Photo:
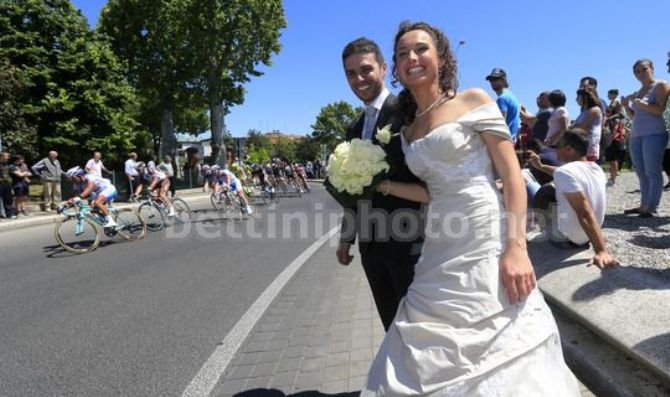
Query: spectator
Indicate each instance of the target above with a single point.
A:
(50, 172)
(539, 122)
(592, 82)
(615, 149)
(507, 102)
(134, 182)
(95, 166)
(317, 169)
(309, 169)
(648, 137)
(20, 183)
(579, 191)
(558, 121)
(166, 166)
(590, 119)
(6, 186)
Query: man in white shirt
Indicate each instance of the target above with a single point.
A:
(134, 182)
(580, 195)
(95, 166)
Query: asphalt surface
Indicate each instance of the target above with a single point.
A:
(140, 319)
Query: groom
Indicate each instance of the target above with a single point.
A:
(388, 255)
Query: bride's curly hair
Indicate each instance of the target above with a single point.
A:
(447, 74)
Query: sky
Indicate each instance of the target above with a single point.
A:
(541, 45)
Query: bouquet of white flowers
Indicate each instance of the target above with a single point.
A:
(355, 168)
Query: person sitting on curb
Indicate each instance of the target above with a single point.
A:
(580, 194)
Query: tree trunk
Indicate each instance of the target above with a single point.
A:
(168, 140)
(216, 125)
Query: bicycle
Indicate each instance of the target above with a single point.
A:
(294, 186)
(268, 195)
(157, 215)
(78, 231)
(228, 202)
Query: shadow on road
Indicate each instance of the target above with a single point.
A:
(278, 393)
(56, 251)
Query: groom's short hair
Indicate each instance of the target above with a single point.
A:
(363, 45)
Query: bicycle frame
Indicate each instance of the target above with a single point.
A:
(84, 211)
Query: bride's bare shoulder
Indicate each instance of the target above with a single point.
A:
(474, 97)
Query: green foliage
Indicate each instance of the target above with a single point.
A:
(308, 149)
(229, 39)
(332, 122)
(74, 91)
(285, 148)
(257, 154)
(258, 139)
(150, 37)
(17, 135)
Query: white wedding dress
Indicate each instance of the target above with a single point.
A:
(455, 332)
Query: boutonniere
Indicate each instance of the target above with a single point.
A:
(384, 134)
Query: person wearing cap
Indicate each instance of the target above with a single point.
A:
(507, 102)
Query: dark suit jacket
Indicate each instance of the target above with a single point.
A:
(370, 244)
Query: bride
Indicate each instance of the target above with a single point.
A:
(473, 322)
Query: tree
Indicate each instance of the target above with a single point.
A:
(17, 135)
(150, 36)
(74, 91)
(258, 139)
(257, 155)
(308, 149)
(332, 122)
(230, 39)
(284, 148)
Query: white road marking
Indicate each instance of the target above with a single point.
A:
(205, 380)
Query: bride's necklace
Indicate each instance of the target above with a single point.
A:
(439, 100)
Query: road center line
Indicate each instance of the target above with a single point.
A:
(205, 380)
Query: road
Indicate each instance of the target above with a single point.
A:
(140, 319)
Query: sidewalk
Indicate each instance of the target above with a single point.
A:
(318, 338)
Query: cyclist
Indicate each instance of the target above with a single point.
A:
(160, 182)
(290, 174)
(301, 176)
(208, 176)
(101, 191)
(230, 182)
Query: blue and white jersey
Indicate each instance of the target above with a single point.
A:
(100, 184)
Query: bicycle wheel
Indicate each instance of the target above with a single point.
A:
(296, 187)
(152, 216)
(282, 186)
(182, 212)
(266, 197)
(131, 226)
(218, 202)
(78, 236)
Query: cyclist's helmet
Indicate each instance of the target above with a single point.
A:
(216, 167)
(140, 164)
(162, 167)
(75, 171)
(151, 166)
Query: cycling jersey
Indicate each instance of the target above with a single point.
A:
(157, 175)
(226, 176)
(102, 186)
